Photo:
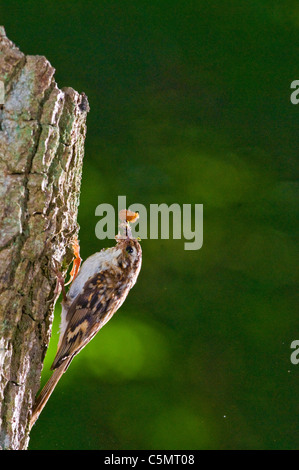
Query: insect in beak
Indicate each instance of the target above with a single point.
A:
(127, 217)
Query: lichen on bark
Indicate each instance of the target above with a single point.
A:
(42, 133)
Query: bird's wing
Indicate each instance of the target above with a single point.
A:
(88, 313)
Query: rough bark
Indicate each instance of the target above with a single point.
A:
(42, 132)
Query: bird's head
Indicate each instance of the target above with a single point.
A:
(130, 254)
(129, 249)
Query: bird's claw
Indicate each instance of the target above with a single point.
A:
(76, 261)
(60, 279)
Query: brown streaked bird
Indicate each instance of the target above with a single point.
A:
(96, 293)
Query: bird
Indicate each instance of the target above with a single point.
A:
(98, 289)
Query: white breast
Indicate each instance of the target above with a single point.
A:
(95, 263)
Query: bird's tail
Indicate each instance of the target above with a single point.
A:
(45, 394)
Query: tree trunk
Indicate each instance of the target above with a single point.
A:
(42, 132)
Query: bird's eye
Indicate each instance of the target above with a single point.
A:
(129, 249)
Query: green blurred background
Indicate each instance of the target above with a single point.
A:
(190, 103)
